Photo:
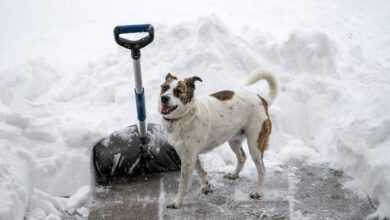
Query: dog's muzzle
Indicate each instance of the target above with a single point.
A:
(166, 109)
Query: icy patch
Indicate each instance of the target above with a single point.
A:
(161, 200)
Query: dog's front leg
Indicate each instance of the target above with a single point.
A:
(187, 166)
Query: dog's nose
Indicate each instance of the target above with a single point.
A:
(164, 99)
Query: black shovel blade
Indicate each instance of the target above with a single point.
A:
(124, 154)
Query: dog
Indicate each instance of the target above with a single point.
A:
(198, 125)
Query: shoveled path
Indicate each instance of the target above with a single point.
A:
(295, 191)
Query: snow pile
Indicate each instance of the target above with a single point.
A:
(305, 52)
(35, 154)
(45, 206)
(15, 184)
(363, 149)
(337, 115)
(19, 200)
(59, 94)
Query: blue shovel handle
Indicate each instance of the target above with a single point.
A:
(134, 44)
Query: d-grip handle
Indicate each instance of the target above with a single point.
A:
(134, 45)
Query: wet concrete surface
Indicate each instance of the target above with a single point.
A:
(291, 192)
(136, 200)
(320, 195)
(229, 199)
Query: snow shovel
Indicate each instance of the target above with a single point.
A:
(135, 150)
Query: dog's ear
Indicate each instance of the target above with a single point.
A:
(170, 77)
(191, 81)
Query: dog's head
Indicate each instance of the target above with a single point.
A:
(176, 95)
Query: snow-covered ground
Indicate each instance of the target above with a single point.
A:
(65, 83)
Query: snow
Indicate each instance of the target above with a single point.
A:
(15, 184)
(79, 199)
(65, 84)
(46, 206)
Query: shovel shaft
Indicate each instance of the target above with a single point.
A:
(139, 97)
(135, 47)
(137, 75)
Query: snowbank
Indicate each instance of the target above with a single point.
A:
(60, 94)
(19, 197)
(15, 184)
(46, 206)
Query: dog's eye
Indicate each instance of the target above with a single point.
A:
(164, 88)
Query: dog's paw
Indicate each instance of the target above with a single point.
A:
(174, 205)
(206, 189)
(231, 176)
(256, 195)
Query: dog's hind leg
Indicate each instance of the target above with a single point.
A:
(257, 142)
(204, 183)
(236, 145)
(257, 158)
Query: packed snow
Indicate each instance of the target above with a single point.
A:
(65, 84)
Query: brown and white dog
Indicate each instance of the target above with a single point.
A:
(198, 125)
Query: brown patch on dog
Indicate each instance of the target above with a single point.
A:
(266, 128)
(182, 92)
(185, 89)
(264, 135)
(223, 95)
(169, 77)
(265, 104)
(166, 85)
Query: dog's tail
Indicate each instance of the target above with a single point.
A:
(272, 83)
